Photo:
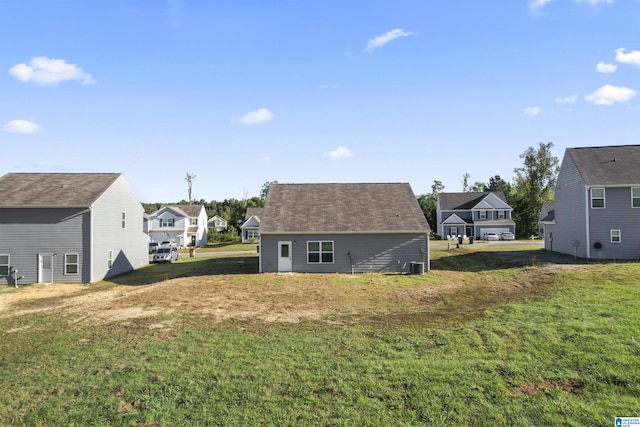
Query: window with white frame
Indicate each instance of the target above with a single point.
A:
(124, 220)
(501, 214)
(482, 214)
(616, 236)
(4, 265)
(597, 198)
(635, 197)
(71, 264)
(252, 234)
(167, 222)
(109, 259)
(193, 221)
(320, 252)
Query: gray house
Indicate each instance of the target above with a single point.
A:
(597, 204)
(343, 228)
(547, 216)
(251, 225)
(69, 227)
(473, 214)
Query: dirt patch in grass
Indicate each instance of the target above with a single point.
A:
(288, 298)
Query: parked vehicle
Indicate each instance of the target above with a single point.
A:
(491, 236)
(171, 243)
(507, 235)
(166, 254)
(153, 247)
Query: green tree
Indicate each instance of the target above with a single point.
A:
(429, 203)
(265, 189)
(534, 183)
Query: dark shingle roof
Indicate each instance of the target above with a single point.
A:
(253, 212)
(188, 210)
(613, 165)
(341, 208)
(548, 212)
(37, 190)
(455, 201)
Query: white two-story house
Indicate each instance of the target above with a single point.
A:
(184, 224)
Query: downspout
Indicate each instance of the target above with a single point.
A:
(587, 221)
(428, 253)
(89, 248)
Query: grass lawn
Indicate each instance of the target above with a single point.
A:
(492, 336)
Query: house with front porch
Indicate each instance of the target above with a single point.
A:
(473, 214)
(186, 225)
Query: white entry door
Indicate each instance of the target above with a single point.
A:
(45, 268)
(284, 257)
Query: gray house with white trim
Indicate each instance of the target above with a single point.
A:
(250, 228)
(597, 204)
(69, 227)
(346, 228)
(473, 214)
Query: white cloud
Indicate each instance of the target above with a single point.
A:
(385, 38)
(609, 95)
(632, 57)
(602, 67)
(21, 126)
(531, 111)
(538, 4)
(593, 2)
(567, 99)
(261, 115)
(47, 71)
(340, 153)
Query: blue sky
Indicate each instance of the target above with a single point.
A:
(243, 92)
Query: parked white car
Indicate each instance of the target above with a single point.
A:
(166, 254)
(491, 236)
(507, 235)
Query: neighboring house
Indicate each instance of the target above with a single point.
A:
(344, 228)
(547, 216)
(473, 214)
(217, 223)
(597, 203)
(184, 224)
(69, 227)
(251, 224)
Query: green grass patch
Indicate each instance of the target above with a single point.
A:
(494, 342)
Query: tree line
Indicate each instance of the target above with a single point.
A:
(531, 187)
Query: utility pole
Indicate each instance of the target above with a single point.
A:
(189, 180)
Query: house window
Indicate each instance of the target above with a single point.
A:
(320, 252)
(482, 214)
(252, 234)
(597, 198)
(109, 259)
(501, 214)
(616, 236)
(167, 222)
(124, 220)
(4, 265)
(70, 263)
(635, 197)
(193, 221)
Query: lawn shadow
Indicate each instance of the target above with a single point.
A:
(477, 261)
(155, 273)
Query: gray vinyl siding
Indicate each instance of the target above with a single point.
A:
(129, 245)
(25, 233)
(570, 218)
(619, 215)
(370, 252)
